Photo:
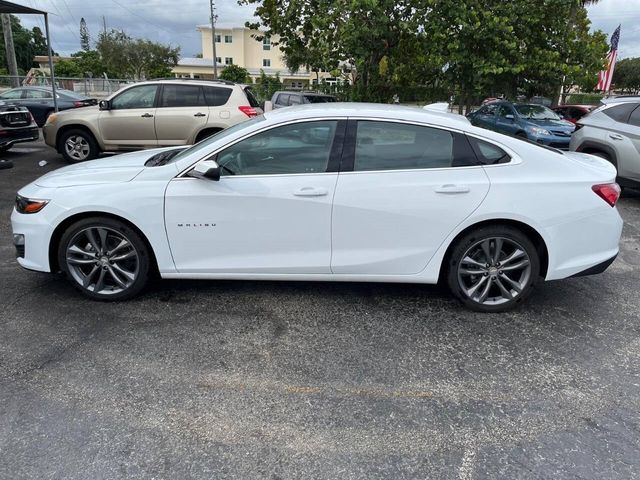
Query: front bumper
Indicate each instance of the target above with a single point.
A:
(11, 136)
(555, 141)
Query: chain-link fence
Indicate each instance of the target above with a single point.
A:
(91, 87)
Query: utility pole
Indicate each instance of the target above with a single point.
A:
(9, 48)
(104, 25)
(214, 17)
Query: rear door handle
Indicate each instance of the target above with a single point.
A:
(200, 114)
(615, 136)
(311, 192)
(450, 188)
(147, 115)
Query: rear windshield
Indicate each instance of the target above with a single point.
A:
(253, 101)
(320, 98)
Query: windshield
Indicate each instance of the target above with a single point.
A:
(204, 144)
(536, 112)
(320, 98)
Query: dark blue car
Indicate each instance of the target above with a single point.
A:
(534, 122)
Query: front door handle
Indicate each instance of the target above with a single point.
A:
(200, 114)
(451, 188)
(147, 115)
(615, 136)
(311, 192)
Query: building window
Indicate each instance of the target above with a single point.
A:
(266, 43)
(219, 60)
(217, 38)
(228, 39)
(228, 61)
(266, 62)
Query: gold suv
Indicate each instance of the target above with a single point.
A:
(150, 114)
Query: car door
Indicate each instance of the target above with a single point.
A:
(130, 121)
(405, 188)
(182, 112)
(39, 102)
(506, 120)
(629, 160)
(270, 212)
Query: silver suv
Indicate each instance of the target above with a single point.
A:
(612, 131)
(155, 113)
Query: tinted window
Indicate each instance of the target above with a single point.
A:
(182, 96)
(216, 96)
(319, 98)
(621, 113)
(12, 94)
(634, 119)
(283, 99)
(296, 148)
(295, 100)
(135, 97)
(394, 146)
(487, 153)
(38, 94)
(253, 101)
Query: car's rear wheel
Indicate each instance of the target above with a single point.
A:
(493, 269)
(78, 146)
(104, 258)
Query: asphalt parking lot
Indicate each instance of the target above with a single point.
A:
(253, 380)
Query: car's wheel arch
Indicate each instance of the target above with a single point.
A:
(532, 233)
(206, 131)
(590, 146)
(58, 232)
(76, 126)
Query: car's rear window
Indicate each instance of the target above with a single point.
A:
(320, 98)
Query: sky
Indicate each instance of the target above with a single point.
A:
(174, 22)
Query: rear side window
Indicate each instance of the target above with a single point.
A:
(216, 96)
(399, 146)
(283, 99)
(620, 113)
(295, 100)
(634, 119)
(488, 153)
(182, 96)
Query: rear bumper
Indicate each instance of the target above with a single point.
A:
(11, 136)
(596, 269)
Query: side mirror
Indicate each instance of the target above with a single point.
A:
(207, 169)
(105, 105)
(509, 116)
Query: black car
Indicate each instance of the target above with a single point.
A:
(286, 99)
(39, 100)
(16, 125)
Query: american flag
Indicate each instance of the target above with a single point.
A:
(605, 76)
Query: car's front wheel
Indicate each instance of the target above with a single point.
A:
(104, 258)
(493, 269)
(78, 146)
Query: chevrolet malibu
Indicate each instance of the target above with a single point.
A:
(332, 192)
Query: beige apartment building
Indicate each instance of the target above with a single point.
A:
(237, 46)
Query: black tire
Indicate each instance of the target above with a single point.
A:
(79, 135)
(104, 260)
(510, 237)
(5, 148)
(206, 134)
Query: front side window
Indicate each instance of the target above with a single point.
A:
(488, 110)
(228, 39)
(182, 96)
(503, 111)
(537, 112)
(290, 149)
(135, 97)
(400, 146)
(38, 94)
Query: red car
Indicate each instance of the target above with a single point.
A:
(573, 113)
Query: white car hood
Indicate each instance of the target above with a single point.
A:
(116, 169)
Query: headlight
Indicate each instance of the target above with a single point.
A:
(538, 131)
(52, 118)
(29, 205)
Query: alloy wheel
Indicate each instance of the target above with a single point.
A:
(102, 260)
(494, 271)
(77, 147)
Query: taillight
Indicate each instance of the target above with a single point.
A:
(248, 110)
(609, 192)
(78, 103)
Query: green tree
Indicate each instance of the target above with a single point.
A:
(626, 75)
(235, 73)
(267, 85)
(84, 36)
(27, 44)
(127, 57)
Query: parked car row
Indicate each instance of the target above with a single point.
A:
(611, 131)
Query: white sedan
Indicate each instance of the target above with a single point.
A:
(331, 192)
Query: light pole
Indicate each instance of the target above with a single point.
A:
(214, 17)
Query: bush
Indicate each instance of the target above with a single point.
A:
(234, 73)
